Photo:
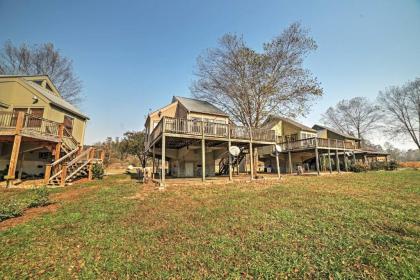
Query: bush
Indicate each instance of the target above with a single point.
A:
(357, 167)
(10, 210)
(378, 165)
(98, 171)
(39, 197)
(392, 165)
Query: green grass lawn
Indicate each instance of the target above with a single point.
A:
(348, 226)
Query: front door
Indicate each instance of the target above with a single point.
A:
(189, 169)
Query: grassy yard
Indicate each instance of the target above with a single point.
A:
(347, 226)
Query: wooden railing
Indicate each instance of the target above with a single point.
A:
(30, 124)
(320, 143)
(41, 126)
(210, 129)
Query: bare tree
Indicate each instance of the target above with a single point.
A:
(357, 116)
(42, 60)
(249, 85)
(401, 107)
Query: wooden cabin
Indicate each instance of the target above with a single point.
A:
(40, 132)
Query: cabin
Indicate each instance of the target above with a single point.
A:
(40, 132)
(192, 138)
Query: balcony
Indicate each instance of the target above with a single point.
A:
(12, 123)
(194, 128)
(311, 143)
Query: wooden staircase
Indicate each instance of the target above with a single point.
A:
(74, 162)
(224, 162)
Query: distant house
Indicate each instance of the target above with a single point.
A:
(38, 128)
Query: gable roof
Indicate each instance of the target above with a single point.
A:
(199, 106)
(321, 127)
(58, 101)
(274, 119)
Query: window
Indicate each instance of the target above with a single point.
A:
(68, 124)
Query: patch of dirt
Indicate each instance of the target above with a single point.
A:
(29, 214)
(144, 192)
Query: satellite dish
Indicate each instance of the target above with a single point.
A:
(278, 148)
(234, 151)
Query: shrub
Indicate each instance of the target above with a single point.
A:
(10, 210)
(98, 171)
(39, 197)
(357, 167)
(378, 165)
(392, 165)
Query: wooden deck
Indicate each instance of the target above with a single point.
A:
(321, 143)
(193, 129)
(28, 126)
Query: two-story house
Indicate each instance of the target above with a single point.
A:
(38, 128)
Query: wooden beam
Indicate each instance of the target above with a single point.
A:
(230, 156)
(60, 142)
(16, 147)
(63, 175)
(345, 161)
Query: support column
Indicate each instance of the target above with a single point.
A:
(251, 160)
(16, 147)
(290, 163)
(203, 153)
(277, 163)
(60, 141)
(345, 161)
(354, 158)
(154, 162)
(203, 159)
(329, 160)
(162, 173)
(316, 156)
(230, 156)
(337, 158)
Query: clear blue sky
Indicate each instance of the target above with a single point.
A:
(135, 55)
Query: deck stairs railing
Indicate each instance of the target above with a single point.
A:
(224, 162)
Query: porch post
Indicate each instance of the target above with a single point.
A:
(251, 160)
(277, 162)
(203, 153)
(337, 158)
(354, 157)
(154, 159)
(60, 141)
(345, 161)
(329, 159)
(230, 156)
(16, 147)
(162, 173)
(366, 159)
(316, 156)
(290, 163)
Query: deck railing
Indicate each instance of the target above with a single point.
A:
(210, 129)
(320, 143)
(30, 124)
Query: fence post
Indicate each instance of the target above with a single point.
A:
(90, 165)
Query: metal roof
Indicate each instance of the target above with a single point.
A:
(199, 106)
(319, 127)
(273, 119)
(56, 100)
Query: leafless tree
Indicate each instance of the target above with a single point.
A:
(42, 60)
(357, 116)
(401, 108)
(249, 85)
